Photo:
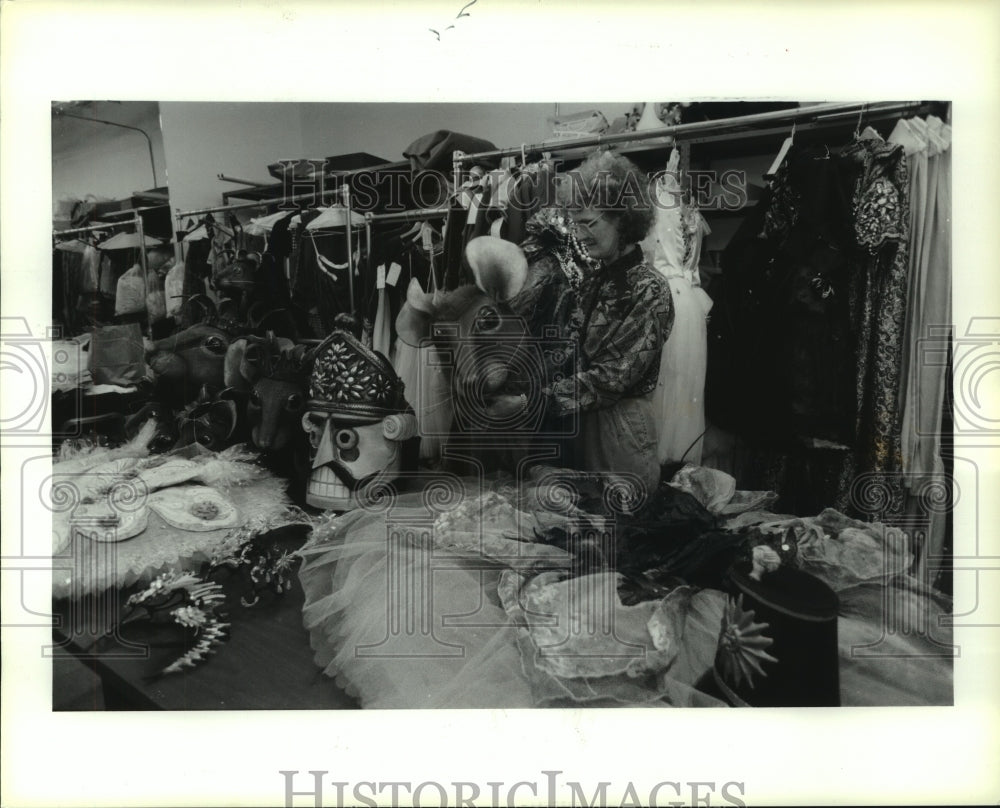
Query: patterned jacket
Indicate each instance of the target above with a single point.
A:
(614, 319)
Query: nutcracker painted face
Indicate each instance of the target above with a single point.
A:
(361, 430)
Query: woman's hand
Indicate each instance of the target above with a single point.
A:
(504, 407)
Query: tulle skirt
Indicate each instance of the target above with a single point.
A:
(401, 619)
(406, 614)
(679, 400)
(397, 627)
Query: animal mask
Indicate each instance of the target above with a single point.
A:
(191, 359)
(476, 332)
(274, 376)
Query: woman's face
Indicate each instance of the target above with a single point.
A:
(598, 232)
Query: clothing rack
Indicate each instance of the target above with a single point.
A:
(417, 215)
(136, 222)
(130, 211)
(706, 131)
(260, 203)
(345, 193)
(91, 228)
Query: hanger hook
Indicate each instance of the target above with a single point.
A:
(861, 115)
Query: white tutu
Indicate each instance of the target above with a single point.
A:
(408, 611)
(680, 390)
(444, 601)
(674, 249)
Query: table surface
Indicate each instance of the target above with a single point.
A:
(265, 664)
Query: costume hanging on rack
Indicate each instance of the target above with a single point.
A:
(427, 385)
(387, 276)
(173, 288)
(807, 327)
(923, 383)
(196, 270)
(391, 245)
(67, 272)
(928, 151)
(322, 280)
(315, 289)
(271, 283)
(465, 203)
(880, 206)
(533, 188)
(678, 232)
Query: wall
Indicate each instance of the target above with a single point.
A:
(106, 161)
(203, 140)
(386, 129)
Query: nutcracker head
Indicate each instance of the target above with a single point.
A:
(361, 430)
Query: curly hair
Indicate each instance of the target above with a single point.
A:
(612, 183)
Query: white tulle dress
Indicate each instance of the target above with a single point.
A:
(675, 248)
(441, 599)
(437, 601)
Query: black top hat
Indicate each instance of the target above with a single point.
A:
(778, 641)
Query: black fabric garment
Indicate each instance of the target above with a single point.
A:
(270, 284)
(196, 270)
(325, 289)
(67, 287)
(673, 539)
(453, 271)
(535, 189)
(805, 334)
(524, 203)
(271, 291)
(303, 280)
(780, 363)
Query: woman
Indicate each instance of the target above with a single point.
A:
(589, 278)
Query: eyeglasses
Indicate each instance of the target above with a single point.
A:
(588, 224)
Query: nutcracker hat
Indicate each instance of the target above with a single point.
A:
(354, 383)
(777, 642)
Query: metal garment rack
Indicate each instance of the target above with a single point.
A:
(315, 196)
(117, 213)
(90, 229)
(136, 222)
(416, 215)
(343, 191)
(705, 131)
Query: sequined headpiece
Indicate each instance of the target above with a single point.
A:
(350, 381)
